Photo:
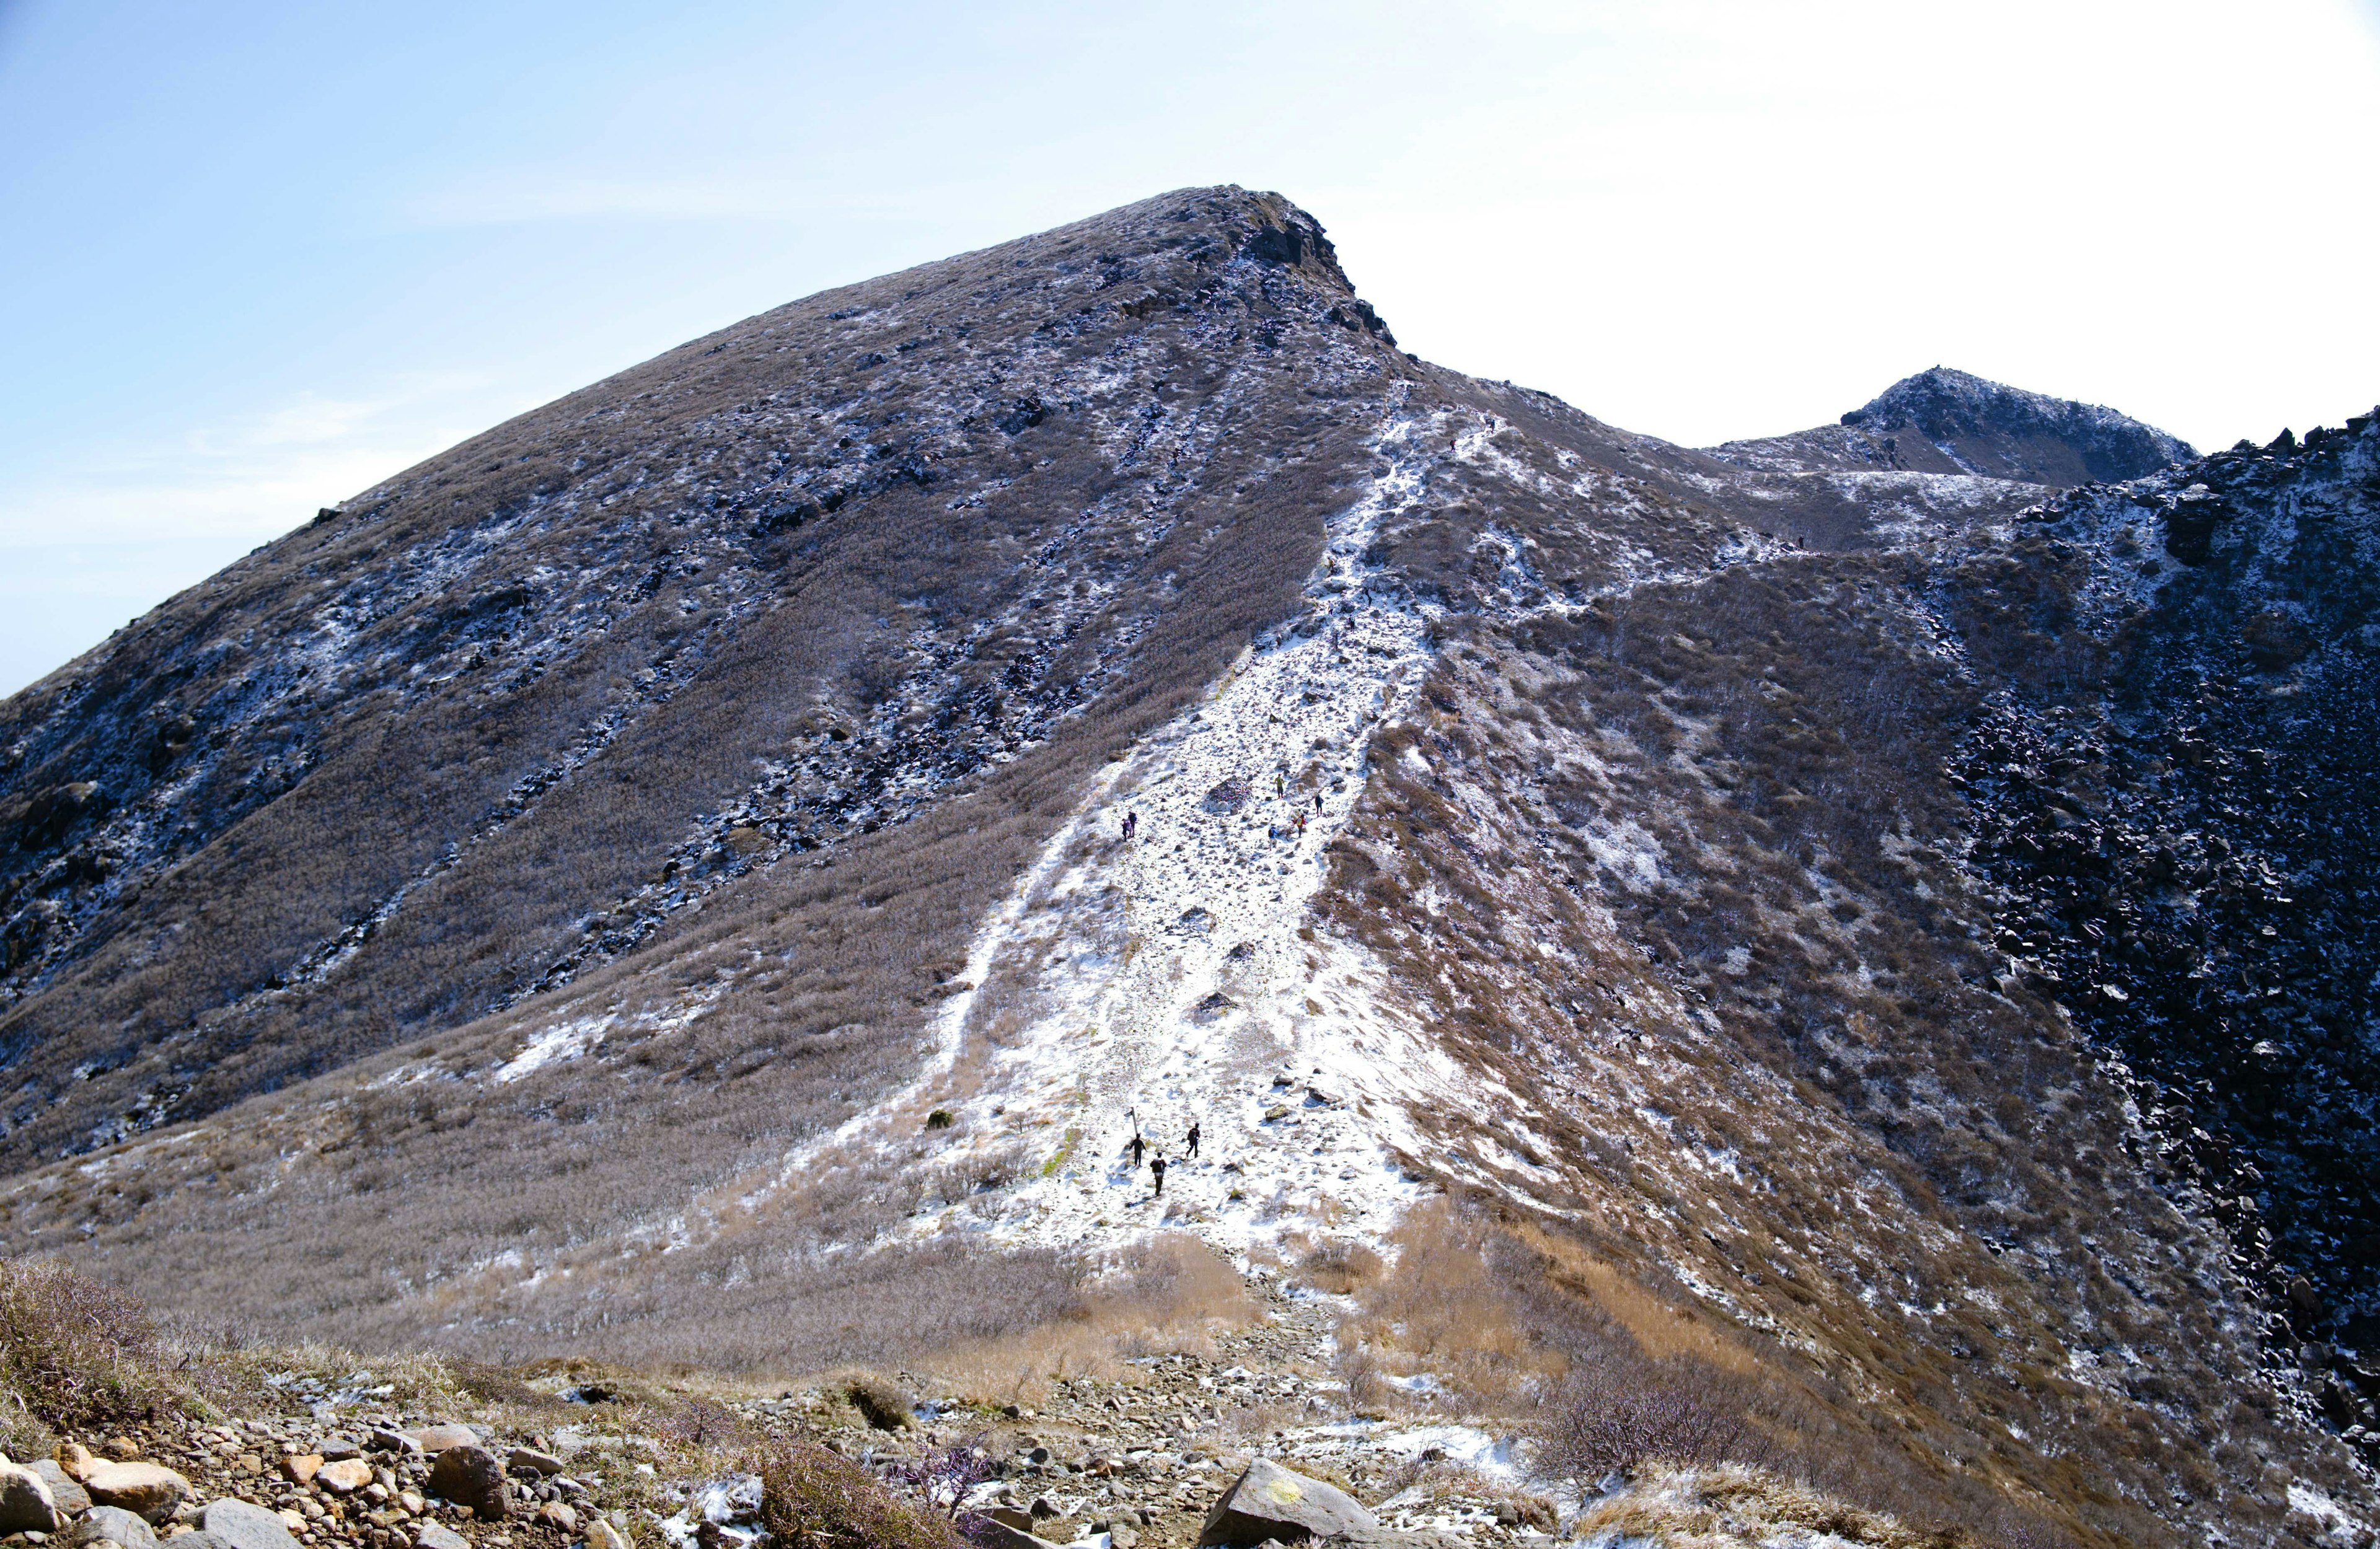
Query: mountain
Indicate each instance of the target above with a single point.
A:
(1856, 923)
(1948, 422)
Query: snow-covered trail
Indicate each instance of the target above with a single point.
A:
(1162, 981)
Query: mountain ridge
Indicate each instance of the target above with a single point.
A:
(653, 878)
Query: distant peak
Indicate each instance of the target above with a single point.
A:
(1951, 407)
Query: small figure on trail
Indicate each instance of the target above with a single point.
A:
(1194, 1139)
(1131, 821)
(1317, 801)
(1279, 783)
(1301, 825)
(1157, 1166)
(1137, 1146)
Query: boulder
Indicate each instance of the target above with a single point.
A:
(438, 1438)
(603, 1535)
(198, 1538)
(437, 1535)
(344, 1476)
(243, 1526)
(1269, 1501)
(471, 1476)
(333, 1448)
(989, 1534)
(529, 1459)
(302, 1467)
(72, 1499)
(555, 1514)
(111, 1524)
(151, 1490)
(384, 1439)
(75, 1459)
(26, 1504)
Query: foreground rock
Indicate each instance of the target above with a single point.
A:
(243, 1525)
(150, 1490)
(110, 1524)
(1269, 1502)
(26, 1505)
(471, 1476)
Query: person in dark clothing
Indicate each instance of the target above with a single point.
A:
(1157, 1166)
(1317, 801)
(1131, 821)
(1194, 1140)
(1137, 1146)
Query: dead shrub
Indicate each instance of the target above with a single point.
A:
(74, 1354)
(811, 1498)
(879, 1402)
(1615, 1415)
(1338, 1267)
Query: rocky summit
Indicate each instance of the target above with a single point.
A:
(1069, 861)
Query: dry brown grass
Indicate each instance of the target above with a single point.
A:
(1167, 1294)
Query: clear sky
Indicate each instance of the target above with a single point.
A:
(256, 257)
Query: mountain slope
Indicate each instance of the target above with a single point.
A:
(652, 882)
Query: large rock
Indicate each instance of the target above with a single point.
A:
(198, 1538)
(437, 1535)
(438, 1438)
(603, 1535)
(109, 1524)
(471, 1476)
(72, 1499)
(1269, 1501)
(243, 1526)
(151, 1490)
(26, 1504)
(529, 1459)
(344, 1476)
(990, 1533)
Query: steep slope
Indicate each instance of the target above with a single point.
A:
(1600, 831)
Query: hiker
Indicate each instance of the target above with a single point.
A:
(1317, 801)
(1194, 1139)
(1157, 1166)
(1137, 1146)
(1131, 821)
(1279, 783)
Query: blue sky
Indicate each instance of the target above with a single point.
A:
(258, 257)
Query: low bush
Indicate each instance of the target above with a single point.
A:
(74, 1354)
(811, 1498)
(880, 1403)
(1614, 1416)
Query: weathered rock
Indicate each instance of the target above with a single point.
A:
(555, 1514)
(532, 1461)
(1269, 1501)
(991, 1534)
(384, 1439)
(436, 1535)
(345, 1475)
(438, 1438)
(198, 1538)
(244, 1526)
(124, 1449)
(301, 1468)
(603, 1535)
(471, 1476)
(72, 1499)
(335, 1448)
(111, 1523)
(1012, 1517)
(151, 1490)
(1389, 1538)
(26, 1504)
(75, 1459)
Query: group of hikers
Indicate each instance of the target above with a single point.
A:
(1139, 1147)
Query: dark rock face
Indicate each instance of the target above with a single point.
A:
(2176, 791)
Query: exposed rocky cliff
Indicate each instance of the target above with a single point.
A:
(654, 879)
